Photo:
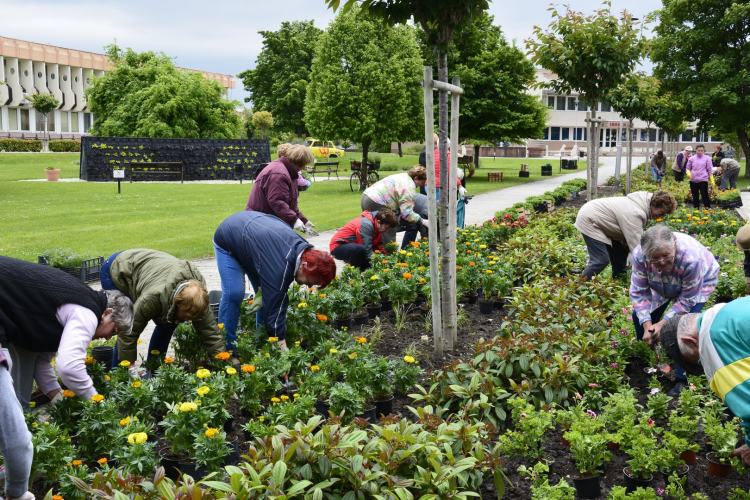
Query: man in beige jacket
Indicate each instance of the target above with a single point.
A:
(612, 227)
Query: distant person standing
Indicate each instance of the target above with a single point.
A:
(717, 156)
(701, 170)
(276, 192)
(729, 170)
(657, 166)
(680, 163)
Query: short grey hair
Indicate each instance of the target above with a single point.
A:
(122, 310)
(684, 328)
(656, 238)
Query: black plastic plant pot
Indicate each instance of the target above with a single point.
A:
(386, 305)
(384, 407)
(473, 297)
(632, 483)
(362, 319)
(103, 354)
(373, 310)
(342, 323)
(682, 471)
(171, 465)
(587, 486)
(369, 414)
(322, 408)
(486, 306)
(234, 456)
(228, 423)
(192, 469)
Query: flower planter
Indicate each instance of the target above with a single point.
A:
(472, 298)
(383, 407)
(171, 464)
(88, 270)
(369, 414)
(729, 204)
(682, 471)
(228, 423)
(587, 486)
(361, 319)
(724, 299)
(322, 407)
(341, 323)
(386, 305)
(234, 456)
(421, 299)
(613, 446)
(373, 310)
(486, 306)
(632, 483)
(717, 468)
(103, 354)
(247, 435)
(192, 469)
(565, 442)
(689, 457)
(498, 303)
(53, 174)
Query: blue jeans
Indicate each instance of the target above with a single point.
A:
(655, 317)
(232, 294)
(104, 276)
(656, 174)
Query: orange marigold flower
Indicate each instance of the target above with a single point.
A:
(415, 244)
(57, 497)
(89, 360)
(102, 461)
(322, 317)
(223, 356)
(402, 264)
(168, 360)
(422, 280)
(361, 340)
(472, 264)
(248, 368)
(77, 463)
(459, 267)
(385, 262)
(407, 275)
(68, 393)
(250, 302)
(353, 355)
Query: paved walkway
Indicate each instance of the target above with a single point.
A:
(482, 207)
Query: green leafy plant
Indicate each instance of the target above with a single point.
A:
(210, 447)
(526, 440)
(135, 454)
(667, 457)
(541, 489)
(183, 422)
(406, 374)
(658, 403)
(344, 400)
(63, 257)
(588, 442)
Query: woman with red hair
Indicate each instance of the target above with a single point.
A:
(272, 255)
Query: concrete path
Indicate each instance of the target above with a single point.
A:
(482, 207)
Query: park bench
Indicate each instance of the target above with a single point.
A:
(324, 167)
(157, 168)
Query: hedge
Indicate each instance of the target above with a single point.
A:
(23, 146)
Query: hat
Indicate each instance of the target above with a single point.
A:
(668, 340)
(688, 148)
(743, 238)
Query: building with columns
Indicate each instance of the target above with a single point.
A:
(29, 68)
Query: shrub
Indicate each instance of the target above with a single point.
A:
(31, 146)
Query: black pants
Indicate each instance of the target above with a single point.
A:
(601, 254)
(353, 254)
(678, 176)
(702, 188)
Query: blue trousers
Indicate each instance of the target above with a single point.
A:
(15, 438)
(655, 318)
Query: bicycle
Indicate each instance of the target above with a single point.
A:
(371, 178)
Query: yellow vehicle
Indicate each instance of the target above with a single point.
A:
(324, 149)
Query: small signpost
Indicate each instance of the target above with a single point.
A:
(118, 174)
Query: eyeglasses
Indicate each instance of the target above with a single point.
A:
(663, 260)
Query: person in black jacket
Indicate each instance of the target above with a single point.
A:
(272, 255)
(43, 311)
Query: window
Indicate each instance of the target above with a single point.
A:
(555, 134)
(545, 134)
(52, 76)
(12, 118)
(687, 136)
(39, 74)
(703, 137)
(606, 108)
(551, 101)
(86, 122)
(652, 135)
(65, 78)
(565, 134)
(582, 106)
(25, 125)
(560, 103)
(74, 122)
(64, 121)
(571, 103)
(581, 134)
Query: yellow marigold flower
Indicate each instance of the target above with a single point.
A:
(168, 361)
(68, 393)
(402, 264)
(140, 341)
(137, 438)
(102, 461)
(275, 400)
(211, 432)
(203, 373)
(32, 404)
(285, 398)
(422, 280)
(420, 268)
(353, 355)
(202, 391)
(322, 317)
(322, 295)
(273, 339)
(97, 398)
(231, 371)
(221, 326)
(403, 252)
(89, 360)
(409, 359)
(374, 277)
(223, 356)
(407, 275)
(489, 271)
(295, 395)
(385, 271)
(155, 352)
(267, 355)
(409, 254)
(361, 340)
(124, 363)
(302, 305)
(333, 351)
(189, 406)
(315, 368)
(125, 421)
(77, 463)
(248, 368)
(261, 419)
(482, 246)
(106, 377)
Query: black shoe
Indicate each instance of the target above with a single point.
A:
(677, 389)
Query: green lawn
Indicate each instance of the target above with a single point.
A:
(90, 217)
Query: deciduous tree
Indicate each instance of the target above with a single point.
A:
(44, 104)
(279, 81)
(263, 122)
(146, 95)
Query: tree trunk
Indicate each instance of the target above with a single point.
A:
(45, 139)
(593, 155)
(476, 159)
(363, 167)
(448, 315)
(648, 144)
(400, 152)
(628, 184)
(745, 144)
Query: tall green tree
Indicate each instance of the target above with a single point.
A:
(146, 95)
(363, 84)
(44, 104)
(263, 121)
(702, 55)
(590, 55)
(278, 83)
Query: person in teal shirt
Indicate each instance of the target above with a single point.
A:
(717, 343)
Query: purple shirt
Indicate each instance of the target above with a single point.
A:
(691, 280)
(701, 168)
(276, 192)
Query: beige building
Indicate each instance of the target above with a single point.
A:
(28, 68)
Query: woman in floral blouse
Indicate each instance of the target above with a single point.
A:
(669, 268)
(397, 193)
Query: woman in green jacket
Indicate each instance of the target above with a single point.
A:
(166, 290)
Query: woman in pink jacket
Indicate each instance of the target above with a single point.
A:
(701, 170)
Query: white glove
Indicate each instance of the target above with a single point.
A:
(58, 397)
(309, 225)
(629, 261)
(299, 225)
(461, 190)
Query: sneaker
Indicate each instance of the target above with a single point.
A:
(677, 389)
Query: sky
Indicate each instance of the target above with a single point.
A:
(220, 36)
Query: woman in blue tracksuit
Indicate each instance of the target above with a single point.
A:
(272, 255)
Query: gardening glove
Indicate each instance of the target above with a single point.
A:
(461, 190)
(58, 397)
(299, 226)
(744, 453)
(257, 302)
(309, 225)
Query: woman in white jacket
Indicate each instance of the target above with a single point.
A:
(612, 227)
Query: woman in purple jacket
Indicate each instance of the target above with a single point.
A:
(701, 168)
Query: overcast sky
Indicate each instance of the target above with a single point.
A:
(219, 36)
